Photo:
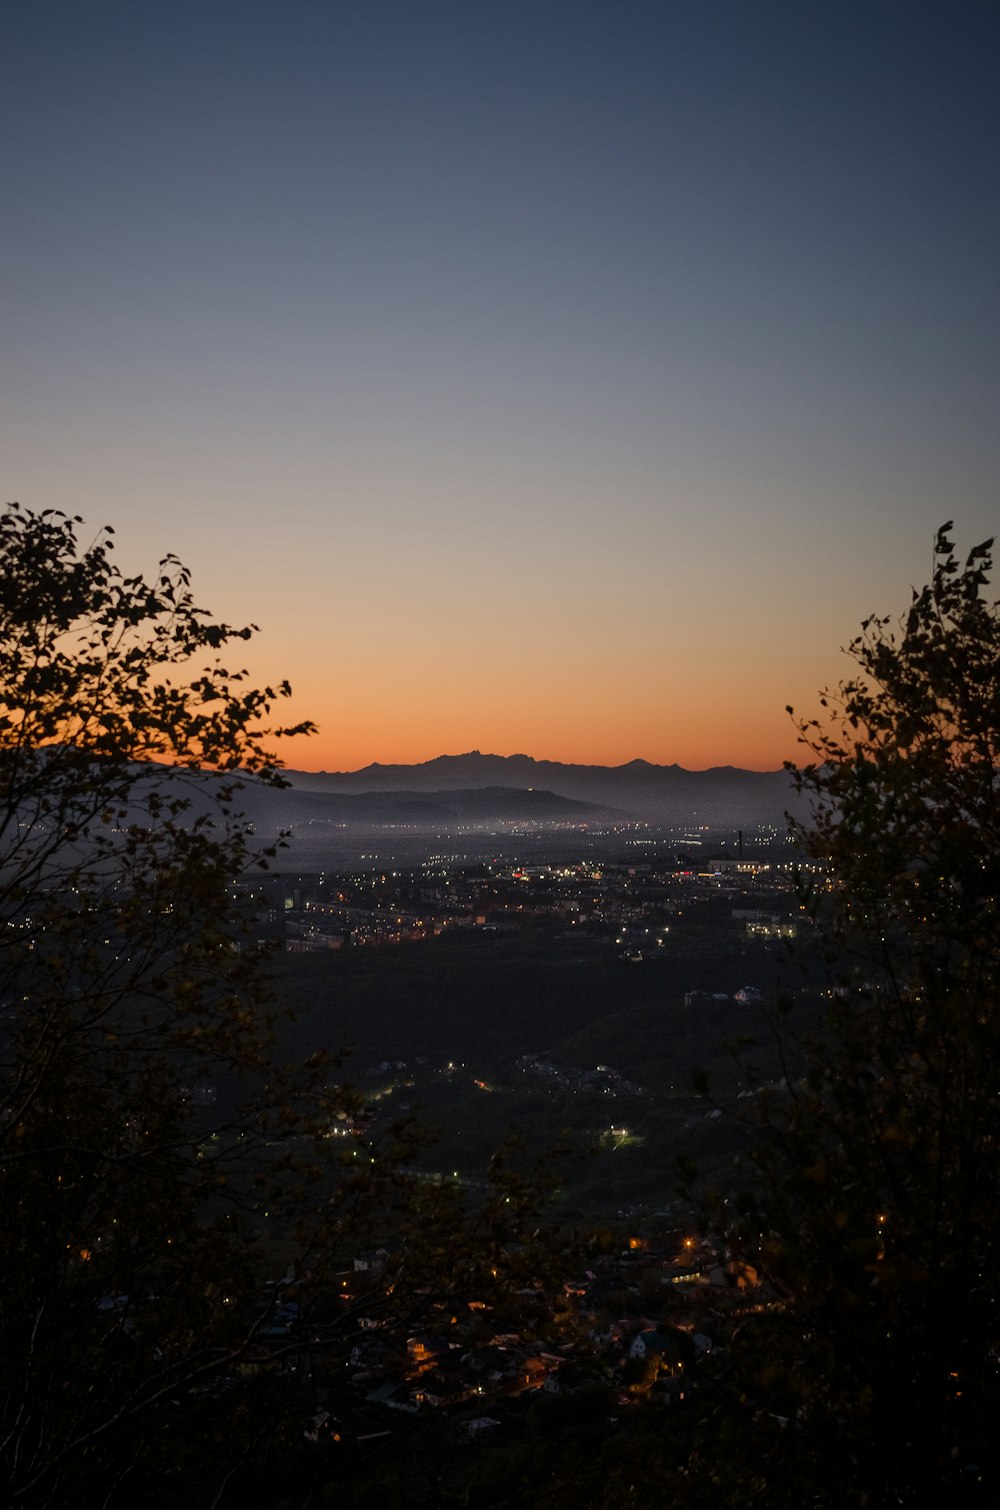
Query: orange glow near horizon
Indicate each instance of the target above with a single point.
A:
(399, 654)
(370, 735)
(392, 719)
(394, 686)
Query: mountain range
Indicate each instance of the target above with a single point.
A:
(722, 795)
(456, 791)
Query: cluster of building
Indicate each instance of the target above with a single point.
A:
(637, 1324)
(629, 906)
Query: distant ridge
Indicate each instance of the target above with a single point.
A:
(272, 809)
(417, 806)
(666, 793)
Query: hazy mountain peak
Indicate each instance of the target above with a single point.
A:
(723, 795)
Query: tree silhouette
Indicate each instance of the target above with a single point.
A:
(158, 1163)
(131, 1002)
(875, 1381)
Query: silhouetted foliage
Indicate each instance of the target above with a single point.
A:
(156, 1164)
(136, 1092)
(879, 1204)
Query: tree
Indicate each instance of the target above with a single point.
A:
(879, 1182)
(129, 1001)
(158, 1162)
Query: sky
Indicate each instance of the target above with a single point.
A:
(556, 377)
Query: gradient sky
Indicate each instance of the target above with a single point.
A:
(567, 378)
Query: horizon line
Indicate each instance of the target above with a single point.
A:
(536, 760)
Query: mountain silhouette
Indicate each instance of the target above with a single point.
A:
(724, 795)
